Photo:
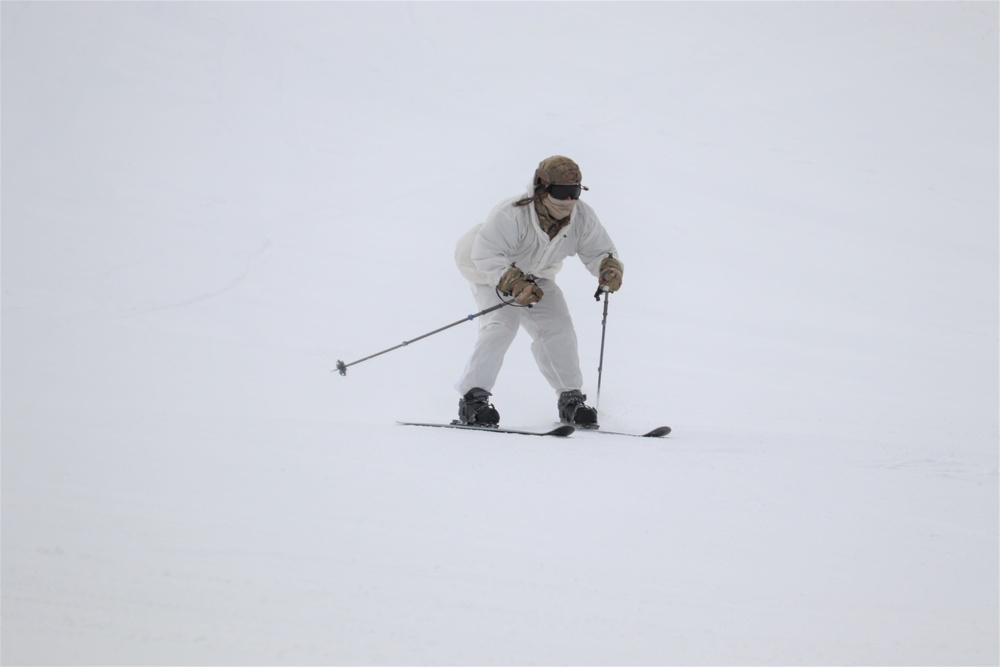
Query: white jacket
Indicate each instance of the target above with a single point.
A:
(511, 235)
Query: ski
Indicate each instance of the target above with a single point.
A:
(657, 432)
(561, 431)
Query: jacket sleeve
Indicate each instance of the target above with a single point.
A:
(495, 244)
(595, 244)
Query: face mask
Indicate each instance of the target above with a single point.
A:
(558, 208)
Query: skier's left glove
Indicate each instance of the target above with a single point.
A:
(611, 274)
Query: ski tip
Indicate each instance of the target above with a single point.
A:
(563, 431)
(658, 432)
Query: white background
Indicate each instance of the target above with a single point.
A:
(206, 205)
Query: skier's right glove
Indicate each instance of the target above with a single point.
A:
(522, 288)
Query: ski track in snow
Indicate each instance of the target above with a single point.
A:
(196, 290)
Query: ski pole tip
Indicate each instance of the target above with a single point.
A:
(341, 367)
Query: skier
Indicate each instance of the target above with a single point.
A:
(517, 252)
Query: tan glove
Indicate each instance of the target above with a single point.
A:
(611, 274)
(514, 283)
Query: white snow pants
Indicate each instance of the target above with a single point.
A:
(551, 329)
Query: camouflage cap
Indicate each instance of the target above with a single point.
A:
(557, 170)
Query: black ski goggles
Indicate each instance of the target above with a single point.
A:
(563, 192)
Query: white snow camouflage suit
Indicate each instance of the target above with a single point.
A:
(511, 235)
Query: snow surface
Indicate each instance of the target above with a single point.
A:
(205, 205)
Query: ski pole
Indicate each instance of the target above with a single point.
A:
(604, 328)
(342, 367)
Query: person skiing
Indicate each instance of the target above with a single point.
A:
(517, 253)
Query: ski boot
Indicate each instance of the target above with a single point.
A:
(474, 409)
(573, 411)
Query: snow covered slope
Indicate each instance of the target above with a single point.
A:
(205, 205)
